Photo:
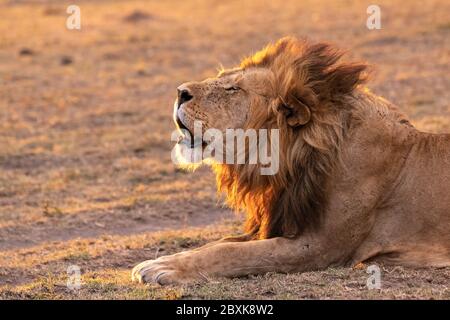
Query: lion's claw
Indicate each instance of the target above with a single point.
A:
(162, 271)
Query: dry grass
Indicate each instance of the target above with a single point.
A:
(41, 273)
(85, 123)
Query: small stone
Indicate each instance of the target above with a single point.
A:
(26, 52)
(137, 16)
(66, 60)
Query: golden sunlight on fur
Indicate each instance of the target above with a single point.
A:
(304, 75)
(357, 181)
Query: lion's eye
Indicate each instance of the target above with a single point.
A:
(232, 88)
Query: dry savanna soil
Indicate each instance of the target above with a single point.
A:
(86, 177)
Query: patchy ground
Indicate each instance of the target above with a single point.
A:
(85, 121)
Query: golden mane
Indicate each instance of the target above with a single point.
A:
(291, 201)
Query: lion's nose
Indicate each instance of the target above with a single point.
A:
(184, 95)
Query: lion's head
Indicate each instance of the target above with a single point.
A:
(298, 88)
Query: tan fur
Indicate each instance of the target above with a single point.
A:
(356, 182)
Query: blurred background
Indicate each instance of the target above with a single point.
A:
(85, 121)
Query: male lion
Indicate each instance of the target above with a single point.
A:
(356, 180)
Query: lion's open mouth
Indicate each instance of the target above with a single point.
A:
(187, 137)
(181, 127)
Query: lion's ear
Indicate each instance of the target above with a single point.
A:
(296, 112)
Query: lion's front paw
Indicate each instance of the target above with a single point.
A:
(165, 270)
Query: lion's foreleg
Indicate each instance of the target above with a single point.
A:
(233, 259)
